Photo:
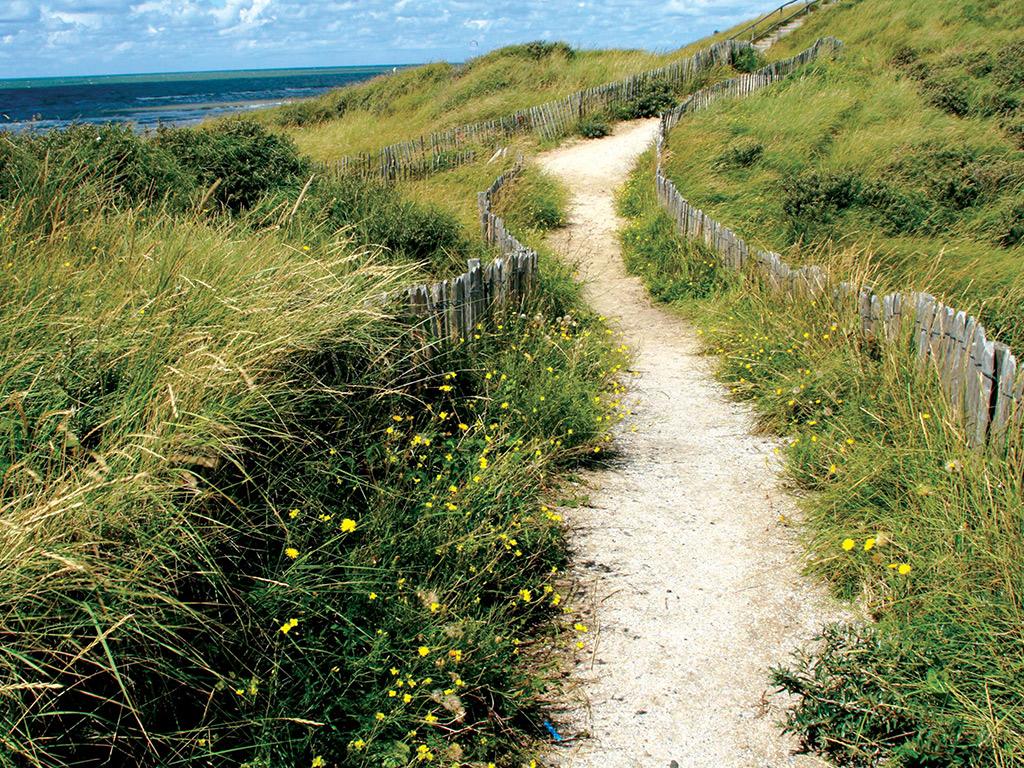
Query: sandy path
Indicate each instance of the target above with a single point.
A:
(695, 581)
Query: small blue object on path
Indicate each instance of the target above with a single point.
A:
(551, 729)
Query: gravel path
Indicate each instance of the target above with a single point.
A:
(694, 578)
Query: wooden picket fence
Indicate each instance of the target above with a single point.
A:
(979, 376)
(447, 149)
(448, 311)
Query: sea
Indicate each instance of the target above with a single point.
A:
(147, 101)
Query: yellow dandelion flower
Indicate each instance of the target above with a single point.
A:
(526, 595)
(423, 650)
(869, 544)
(289, 625)
(348, 525)
(292, 552)
(849, 544)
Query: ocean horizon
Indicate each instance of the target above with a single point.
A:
(149, 100)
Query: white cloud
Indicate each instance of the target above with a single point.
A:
(483, 24)
(67, 18)
(249, 18)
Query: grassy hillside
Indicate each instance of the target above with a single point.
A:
(909, 147)
(861, 166)
(246, 521)
(430, 98)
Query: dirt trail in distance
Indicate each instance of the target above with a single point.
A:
(695, 580)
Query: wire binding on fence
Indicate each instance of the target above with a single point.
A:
(980, 377)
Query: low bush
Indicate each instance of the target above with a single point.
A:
(593, 127)
(654, 97)
(1010, 232)
(536, 50)
(747, 59)
(812, 198)
(949, 93)
(376, 212)
(742, 153)
(243, 159)
(109, 162)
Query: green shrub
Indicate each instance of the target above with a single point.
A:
(747, 59)
(109, 161)
(243, 158)
(742, 153)
(593, 127)
(1015, 130)
(1008, 67)
(377, 213)
(813, 196)
(949, 93)
(1011, 229)
(535, 50)
(857, 719)
(654, 97)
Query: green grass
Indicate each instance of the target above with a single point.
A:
(936, 677)
(869, 151)
(241, 504)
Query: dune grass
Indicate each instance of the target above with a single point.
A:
(907, 147)
(247, 519)
(434, 97)
(899, 515)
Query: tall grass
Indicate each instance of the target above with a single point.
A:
(247, 518)
(899, 514)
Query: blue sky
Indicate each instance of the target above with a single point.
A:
(75, 37)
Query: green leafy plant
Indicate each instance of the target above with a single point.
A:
(593, 127)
